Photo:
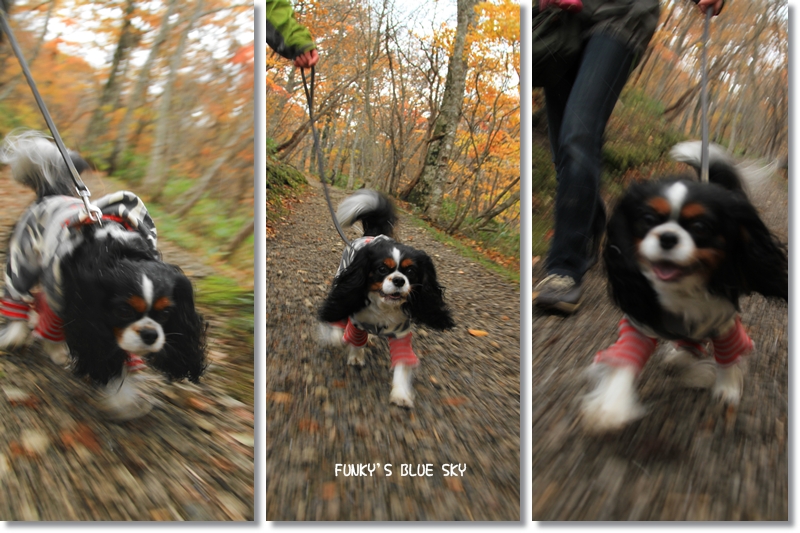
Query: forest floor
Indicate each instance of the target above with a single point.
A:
(190, 458)
(690, 457)
(322, 413)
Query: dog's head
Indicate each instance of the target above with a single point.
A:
(389, 275)
(120, 302)
(678, 235)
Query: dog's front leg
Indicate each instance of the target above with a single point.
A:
(356, 355)
(613, 403)
(57, 351)
(122, 400)
(402, 391)
(14, 334)
(728, 350)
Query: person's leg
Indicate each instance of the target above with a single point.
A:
(603, 71)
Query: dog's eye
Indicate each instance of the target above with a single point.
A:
(650, 219)
(162, 315)
(125, 312)
(383, 270)
(700, 228)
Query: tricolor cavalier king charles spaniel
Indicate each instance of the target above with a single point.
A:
(679, 254)
(381, 287)
(96, 294)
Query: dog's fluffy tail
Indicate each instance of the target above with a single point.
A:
(373, 209)
(721, 167)
(37, 163)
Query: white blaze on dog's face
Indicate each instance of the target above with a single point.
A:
(391, 277)
(139, 318)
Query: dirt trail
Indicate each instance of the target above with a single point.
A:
(321, 413)
(190, 458)
(689, 458)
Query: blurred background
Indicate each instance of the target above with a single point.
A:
(660, 105)
(382, 81)
(158, 96)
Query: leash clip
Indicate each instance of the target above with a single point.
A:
(94, 212)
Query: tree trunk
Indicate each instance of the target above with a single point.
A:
(137, 97)
(157, 170)
(231, 148)
(109, 100)
(430, 189)
(10, 85)
(238, 239)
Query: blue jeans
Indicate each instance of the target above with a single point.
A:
(578, 109)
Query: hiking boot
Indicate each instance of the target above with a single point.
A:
(561, 293)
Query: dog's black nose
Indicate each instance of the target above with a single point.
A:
(398, 282)
(668, 240)
(148, 335)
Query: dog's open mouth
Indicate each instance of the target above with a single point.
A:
(670, 272)
(394, 297)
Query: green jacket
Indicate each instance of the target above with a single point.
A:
(284, 34)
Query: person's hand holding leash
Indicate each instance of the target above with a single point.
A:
(306, 59)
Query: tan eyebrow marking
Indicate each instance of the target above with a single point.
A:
(162, 303)
(693, 210)
(660, 205)
(138, 303)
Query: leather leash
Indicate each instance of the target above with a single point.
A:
(93, 211)
(321, 168)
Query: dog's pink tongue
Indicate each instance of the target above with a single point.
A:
(667, 271)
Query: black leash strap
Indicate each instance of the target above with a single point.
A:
(321, 168)
(93, 211)
(704, 163)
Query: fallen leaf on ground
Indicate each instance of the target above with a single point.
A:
(455, 402)
(454, 484)
(306, 424)
(244, 438)
(279, 397)
(328, 491)
(477, 332)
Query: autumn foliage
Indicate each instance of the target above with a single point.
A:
(380, 83)
(157, 94)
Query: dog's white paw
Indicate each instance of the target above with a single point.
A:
(402, 397)
(613, 403)
(402, 392)
(57, 351)
(699, 374)
(330, 336)
(356, 356)
(678, 358)
(729, 383)
(15, 334)
(122, 400)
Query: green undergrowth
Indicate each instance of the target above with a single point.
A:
(509, 274)
(495, 235)
(283, 181)
(230, 301)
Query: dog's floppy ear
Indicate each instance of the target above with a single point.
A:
(184, 352)
(349, 291)
(759, 257)
(629, 288)
(426, 303)
(92, 345)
